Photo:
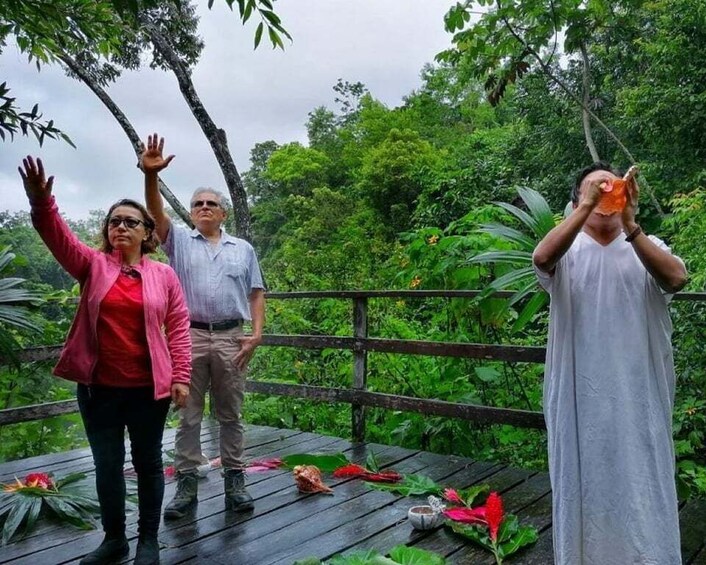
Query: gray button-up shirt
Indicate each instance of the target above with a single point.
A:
(217, 279)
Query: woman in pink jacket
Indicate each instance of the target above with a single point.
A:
(128, 349)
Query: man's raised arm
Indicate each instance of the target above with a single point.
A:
(152, 163)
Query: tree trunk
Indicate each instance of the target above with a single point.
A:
(586, 101)
(216, 137)
(132, 135)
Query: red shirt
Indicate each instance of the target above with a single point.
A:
(123, 354)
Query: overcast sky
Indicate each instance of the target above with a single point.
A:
(253, 95)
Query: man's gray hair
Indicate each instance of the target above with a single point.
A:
(221, 197)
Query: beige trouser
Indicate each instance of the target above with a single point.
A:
(213, 368)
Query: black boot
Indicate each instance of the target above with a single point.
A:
(147, 551)
(185, 498)
(237, 498)
(111, 549)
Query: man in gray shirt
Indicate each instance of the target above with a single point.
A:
(223, 288)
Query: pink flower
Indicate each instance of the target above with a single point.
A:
(494, 514)
(169, 471)
(452, 496)
(39, 480)
(466, 515)
(263, 465)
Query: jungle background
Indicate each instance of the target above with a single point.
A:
(402, 198)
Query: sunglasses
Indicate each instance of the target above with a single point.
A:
(207, 203)
(130, 223)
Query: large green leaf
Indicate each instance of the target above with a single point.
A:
(534, 305)
(477, 534)
(512, 537)
(509, 234)
(35, 506)
(69, 479)
(531, 223)
(20, 508)
(411, 485)
(369, 557)
(68, 512)
(509, 256)
(414, 556)
(326, 462)
(539, 209)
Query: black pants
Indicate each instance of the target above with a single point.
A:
(106, 412)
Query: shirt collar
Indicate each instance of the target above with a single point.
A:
(225, 237)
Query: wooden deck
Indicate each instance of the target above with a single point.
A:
(286, 526)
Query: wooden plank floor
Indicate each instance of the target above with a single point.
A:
(286, 526)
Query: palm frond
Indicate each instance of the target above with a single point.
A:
(509, 234)
(534, 305)
(539, 209)
(521, 215)
(512, 257)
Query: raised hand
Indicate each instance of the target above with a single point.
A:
(35, 182)
(152, 160)
(632, 194)
(592, 194)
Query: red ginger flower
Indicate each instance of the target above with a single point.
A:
(452, 496)
(350, 470)
(467, 515)
(494, 514)
(383, 477)
(39, 480)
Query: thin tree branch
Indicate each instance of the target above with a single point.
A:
(125, 124)
(216, 136)
(586, 101)
(547, 71)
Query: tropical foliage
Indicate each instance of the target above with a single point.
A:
(403, 197)
(68, 499)
(13, 311)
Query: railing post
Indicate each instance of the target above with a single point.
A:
(360, 365)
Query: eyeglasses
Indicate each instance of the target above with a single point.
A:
(130, 223)
(207, 203)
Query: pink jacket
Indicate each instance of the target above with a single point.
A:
(96, 272)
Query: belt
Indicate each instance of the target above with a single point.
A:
(216, 326)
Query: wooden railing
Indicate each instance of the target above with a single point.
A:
(360, 344)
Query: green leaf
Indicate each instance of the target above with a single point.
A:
(411, 485)
(470, 494)
(258, 34)
(33, 513)
(325, 462)
(365, 557)
(414, 556)
(69, 479)
(477, 534)
(535, 304)
(67, 512)
(487, 374)
(524, 536)
(20, 508)
(371, 462)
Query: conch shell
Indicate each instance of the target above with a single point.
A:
(308, 479)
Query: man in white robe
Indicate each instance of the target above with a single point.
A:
(609, 383)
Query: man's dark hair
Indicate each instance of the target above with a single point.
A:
(583, 173)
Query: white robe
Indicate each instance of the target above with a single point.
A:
(608, 399)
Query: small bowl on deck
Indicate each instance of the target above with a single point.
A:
(424, 517)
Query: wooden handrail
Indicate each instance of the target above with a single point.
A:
(361, 345)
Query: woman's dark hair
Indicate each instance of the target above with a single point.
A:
(149, 245)
(583, 173)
